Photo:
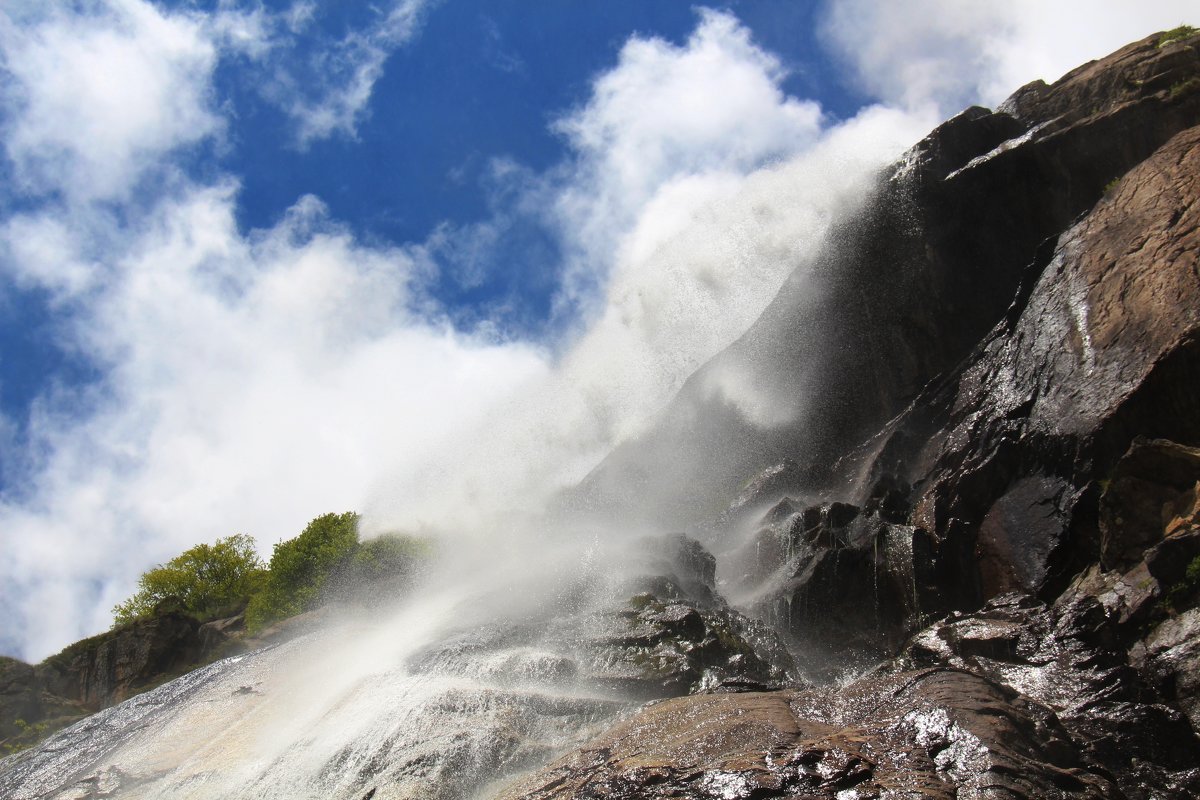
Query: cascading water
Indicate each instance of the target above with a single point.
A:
(499, 660)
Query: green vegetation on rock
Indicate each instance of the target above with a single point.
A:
(326, 561)
(1176, 34)
(27, 736)
(1184, 87)
(1180, 595)
(300, 567)
(205, 581)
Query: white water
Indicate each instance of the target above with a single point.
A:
(435, 699)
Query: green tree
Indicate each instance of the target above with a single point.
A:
(205, 581)
(378, 569)
(300, 567)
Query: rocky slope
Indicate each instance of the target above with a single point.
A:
(982, 487)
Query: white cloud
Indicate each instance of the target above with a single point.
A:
(254, 380)
(953, 53)
(92, 100)
(712, 106)
(329, 95)
(251, 384)
(680, 224)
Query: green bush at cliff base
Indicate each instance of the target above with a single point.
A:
(205, 581)
(27, 736)
(386, 558)
(1181, 596)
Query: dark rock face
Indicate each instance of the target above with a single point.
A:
(989, 483)
(1071, 658)
(1170, 659)
(1152, 494)
(1100, 350)
(836, 578)
(114, 665)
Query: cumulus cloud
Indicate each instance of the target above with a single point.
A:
(252, 382)
(697, 112)
(93, 99)
(951, 53)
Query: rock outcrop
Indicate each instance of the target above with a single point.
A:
(908, 288)
(986, 502)
(100, 672)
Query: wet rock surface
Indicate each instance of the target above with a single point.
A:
(835, 578)
(1019, 699)
(1017, 551)
(1010, 454)
(911, 286)
(671, 634)
(96, 673)
(935, 733)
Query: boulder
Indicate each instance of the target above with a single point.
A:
(1024, 535)
(1070, 657)
(1170, 658)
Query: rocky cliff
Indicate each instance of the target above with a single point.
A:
(975, 502)
(100, 672)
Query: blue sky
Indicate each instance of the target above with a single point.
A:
(425, 259)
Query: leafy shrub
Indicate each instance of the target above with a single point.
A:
(1184, 87)
(300, 567)
(386, 557)
(378, 568)
(1176, 34)
(1180, 596)
(206, 581)
(27, 736)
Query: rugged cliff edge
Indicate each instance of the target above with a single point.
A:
(986, 493)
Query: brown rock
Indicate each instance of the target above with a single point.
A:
(1152, 490)
(925, 734)
(1022, 537)
(106, 669)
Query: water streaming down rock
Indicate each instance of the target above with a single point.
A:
(333, 713)
(459, 686)
(1018, 305)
